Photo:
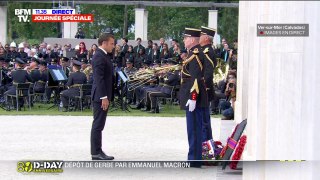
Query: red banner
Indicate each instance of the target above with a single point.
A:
(62, 18)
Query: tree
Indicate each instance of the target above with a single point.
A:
(28, 30)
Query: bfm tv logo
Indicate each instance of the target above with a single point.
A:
(40, 166)
(23, 14)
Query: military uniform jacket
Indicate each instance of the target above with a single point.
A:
(35, 75)
(170, 81)
(22, 55)
(21, 76)
(209, 64)
(12, 54)
(192, 79)
(76, 78)
(130, 71)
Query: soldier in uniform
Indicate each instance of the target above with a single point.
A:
(21, 53)
(5, 79)
(54, 62)
(40, 85)
(74, 81)
(34, 70)
(129, 70)
(18, 76)
(193, 95)
(12, 54)
(84, 64)
(170, 81)
(210, 63)
(65, 65)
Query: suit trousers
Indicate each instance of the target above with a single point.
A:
(99, 120)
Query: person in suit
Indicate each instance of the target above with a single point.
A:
(124, 50)
(137, 48)
(101, 93)
(149, 52)
(74, 81)
(155, 54)
(210, 63)
(193, 94)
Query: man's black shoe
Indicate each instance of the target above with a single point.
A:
(102, 157)
(107, 155)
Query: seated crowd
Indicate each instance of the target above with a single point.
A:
(153, 73)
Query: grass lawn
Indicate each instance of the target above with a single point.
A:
(42, 109)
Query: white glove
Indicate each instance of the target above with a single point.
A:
(191, 104)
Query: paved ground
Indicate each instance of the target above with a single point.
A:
(127, 138)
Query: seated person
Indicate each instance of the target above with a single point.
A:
(130, 70)
(40, 85)
(227, 107)
(172, 79)
(19, 76)
(218, 94)
(74, 81)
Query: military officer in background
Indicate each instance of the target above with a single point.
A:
(193, 94)
(34, 70)
(74, 81)
(210, 63)
(21, 53)
(130, 70)
(171, 80)
(54, 62)
(39, 86)
(18, 76)
(84, 64)
(65, 65)
(12, 53)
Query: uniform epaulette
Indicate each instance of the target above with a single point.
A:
(195, 51)
(206, 50)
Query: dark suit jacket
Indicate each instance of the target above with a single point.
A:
(102, 76)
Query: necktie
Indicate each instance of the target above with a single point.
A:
(225, 56)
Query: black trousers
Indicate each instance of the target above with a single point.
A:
(99, 120)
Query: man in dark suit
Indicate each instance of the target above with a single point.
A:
(137, 48)
(124, 50)
(101, 93)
